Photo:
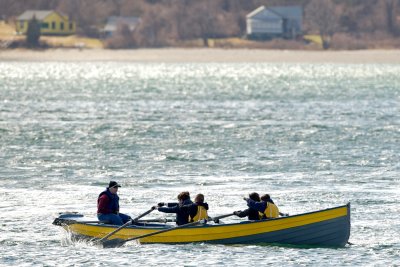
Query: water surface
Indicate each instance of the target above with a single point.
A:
(314, 136)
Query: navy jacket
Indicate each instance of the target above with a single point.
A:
(251, 214)
(192, 208)
(259, 206)
(182, 215)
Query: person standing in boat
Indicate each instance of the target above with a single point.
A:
(182, 215)
(108, 206)
(266, 206)
(251, 213)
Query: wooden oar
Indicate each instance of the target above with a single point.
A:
(216, 219)
(126, 224)
(160, 220)
(117, 242)
(62, 221)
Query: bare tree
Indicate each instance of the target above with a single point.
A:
(122, 38)
(156, 28)
(322, 18)
(391, 7)
(179, 16)
(208, 20)
(205, 19)
(7, 7)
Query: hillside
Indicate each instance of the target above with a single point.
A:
(357, 24)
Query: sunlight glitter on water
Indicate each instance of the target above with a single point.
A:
(312, 135)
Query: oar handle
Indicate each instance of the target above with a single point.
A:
(216, 219)
(160, 220)
(144, 214)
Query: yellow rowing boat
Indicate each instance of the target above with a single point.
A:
(328, 227)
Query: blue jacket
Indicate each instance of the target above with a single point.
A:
(193, 208)
(259, 206)
(182, 215)
(252, 214)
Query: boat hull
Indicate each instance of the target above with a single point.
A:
(330, 227)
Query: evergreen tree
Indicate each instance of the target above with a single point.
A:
(33, 33)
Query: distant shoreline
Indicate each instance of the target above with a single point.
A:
(171, 55)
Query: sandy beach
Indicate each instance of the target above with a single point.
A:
(204, 55)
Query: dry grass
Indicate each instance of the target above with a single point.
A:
(7, 31)
(232, 43)
(377, 40)
(71, 41)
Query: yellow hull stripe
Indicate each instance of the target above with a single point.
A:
(198, 234)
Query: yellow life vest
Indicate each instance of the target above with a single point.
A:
(271, 211)
(200, 215)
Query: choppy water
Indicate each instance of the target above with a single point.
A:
(314, 136)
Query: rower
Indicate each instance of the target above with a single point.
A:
(182, 215)
(201, 212)
(252, 214)
(266, 206)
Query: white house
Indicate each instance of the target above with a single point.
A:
(278, 21)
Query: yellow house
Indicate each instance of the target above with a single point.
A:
(51, 22)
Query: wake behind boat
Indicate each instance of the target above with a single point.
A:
(328, 227)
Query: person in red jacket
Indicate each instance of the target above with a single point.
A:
(108, 206)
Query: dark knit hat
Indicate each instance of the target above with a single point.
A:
(113, 184)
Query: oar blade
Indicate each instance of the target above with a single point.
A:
(113, 243)
(62, 222)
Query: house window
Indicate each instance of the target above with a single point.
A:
(21, 24)
(45, 25)
(53, 25)
(61, 25)
(71, 26)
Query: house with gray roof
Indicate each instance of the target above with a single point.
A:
(114, 22)
(274, 22)
(51, 22)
